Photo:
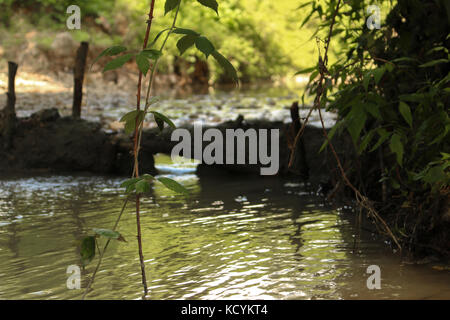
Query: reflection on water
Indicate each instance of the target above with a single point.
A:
(231, 239)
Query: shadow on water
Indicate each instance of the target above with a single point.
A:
(233, 237)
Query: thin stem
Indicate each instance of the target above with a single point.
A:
(136, 154)
(152, 75)
(104, 250)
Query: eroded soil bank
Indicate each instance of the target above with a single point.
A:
(45, 141)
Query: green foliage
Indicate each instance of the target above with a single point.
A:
(114, 50)
(142, 184)
(160, 119)
(390, 89)
(260, 38)
(118, 62)
(170, 5)
(131, 119)
(173, 185)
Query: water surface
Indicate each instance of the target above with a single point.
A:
(233, 238)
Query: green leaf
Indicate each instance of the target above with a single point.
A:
(147, 177)
(356, 119)
(118, 62)
(435, 174)
(160, 119)
(433, 63)
(185, 31)
(87, 250)
(204, 45)
(173, 185)
(373, 109)
(366, 79)
(142, 63)
(112, 51)
(151, 53)
(226, 65)
(365, 142)
(157, 37)
(210, 4)
(407, 59)
(396, 147)
(132, 115)
(186, 42)
(307, 70)
(142, 186)
(384, 135)
(170, 5)
(405, 112)
(130, 120)
(307, 18)
(378, 73)
(130, 184)
(439, 48)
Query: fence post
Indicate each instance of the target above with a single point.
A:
(8, 116)
(78, 76)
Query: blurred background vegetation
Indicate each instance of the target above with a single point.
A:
(261, 38)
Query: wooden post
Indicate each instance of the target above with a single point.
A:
(78, 77)
(300, 164)
(8, 116)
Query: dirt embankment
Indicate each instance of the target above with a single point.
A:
(46, 141)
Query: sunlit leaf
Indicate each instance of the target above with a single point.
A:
(210, 4)
(130, 184)
(307, 70)
(130, 120)
(112, 51)
(117, 62)
(142, 186)
(185, 31)
(173, 185)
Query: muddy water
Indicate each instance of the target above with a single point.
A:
(232, 238)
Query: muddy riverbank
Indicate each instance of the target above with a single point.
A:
(47, 142)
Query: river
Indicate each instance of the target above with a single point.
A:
(233, 237)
